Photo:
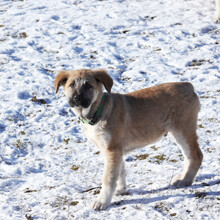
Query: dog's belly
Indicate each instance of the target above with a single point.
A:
(130, 146)
(134, 140)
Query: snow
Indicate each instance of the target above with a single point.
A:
(48, 169)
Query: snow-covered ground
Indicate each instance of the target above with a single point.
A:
(48, 169)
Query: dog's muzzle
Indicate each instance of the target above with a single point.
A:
(79, 101)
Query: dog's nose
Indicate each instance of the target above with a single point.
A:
(77, 98)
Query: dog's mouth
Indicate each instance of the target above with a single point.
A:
(79, 103)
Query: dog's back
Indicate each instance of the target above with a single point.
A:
(161, 108)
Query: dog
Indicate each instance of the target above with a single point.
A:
(120, 123)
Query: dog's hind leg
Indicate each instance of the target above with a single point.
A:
(187, 139)
(113, 162)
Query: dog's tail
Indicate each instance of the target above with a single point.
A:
(187, 91)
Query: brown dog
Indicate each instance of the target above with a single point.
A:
(119, 123)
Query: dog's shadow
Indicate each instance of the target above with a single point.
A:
(148, 200)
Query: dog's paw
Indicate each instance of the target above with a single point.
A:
(180, 181)
(99, 205)
(122, 191)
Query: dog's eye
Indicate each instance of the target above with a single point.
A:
(87, 86)
(72, 84)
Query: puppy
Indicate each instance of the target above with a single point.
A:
(119, 123)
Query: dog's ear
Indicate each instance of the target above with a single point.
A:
(103, 77)
(60, 80)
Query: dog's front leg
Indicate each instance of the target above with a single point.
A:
(121, 182)
(113, 160)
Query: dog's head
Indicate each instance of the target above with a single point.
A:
(83, 87)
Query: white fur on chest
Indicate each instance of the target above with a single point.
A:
(98, 135)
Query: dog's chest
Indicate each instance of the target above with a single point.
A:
(98, 135)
